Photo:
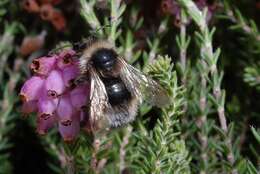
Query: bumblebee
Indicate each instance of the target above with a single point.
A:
(117, 88)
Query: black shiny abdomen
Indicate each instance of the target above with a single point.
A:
(104, 59)
(116, 91)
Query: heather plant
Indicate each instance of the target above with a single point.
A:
(204, 54)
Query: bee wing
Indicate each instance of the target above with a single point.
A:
(98, 102)
(142, 86)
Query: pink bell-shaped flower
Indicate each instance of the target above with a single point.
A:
(50, 93)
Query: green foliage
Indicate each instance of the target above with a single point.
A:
(6, 125)
(256, 134)
(246, 167)
(252, 76)
(3, 9)
(7, 97)
(212, 75)
(107, 153)
(161, 149)
(9, 77)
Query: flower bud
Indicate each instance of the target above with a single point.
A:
(47, 105)
(54, 83)
(43, 65)
(80, 96)
(66, 59)
(29, 107)
(44, 124)
(70, 132)
(69, 74)
(65, 110)
(31, 89)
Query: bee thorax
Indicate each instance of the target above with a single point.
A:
(104, 59)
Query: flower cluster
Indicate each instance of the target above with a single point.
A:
(46, 10)
(53, 95)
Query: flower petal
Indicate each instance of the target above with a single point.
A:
(47, 105)
(70, 132)
(31, 89)
(45, 123)
(54, 83)
(66, 58)
(29, 107)
(80, 96)
(65, 110)
(43, 65)
(69, 74)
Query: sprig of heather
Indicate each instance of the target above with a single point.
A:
(6, 125)
(161, 150)
(202, 120)
(252, 39)
(7, 98)
(240, 22)
(5, 45)
(87, 11)
(252, 76)
(183, 42)
(8, 116)
(208, 66)
(117, 8)
(171, 7)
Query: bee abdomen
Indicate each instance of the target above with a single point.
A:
(116, 91)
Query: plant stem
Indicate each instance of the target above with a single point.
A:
(243, 24)
(122, 149)
(183, 42)
(94, 160)
(209, 62)
(183, 48)
(88, 13)
(70, 165)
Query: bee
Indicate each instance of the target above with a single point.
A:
(117, 88)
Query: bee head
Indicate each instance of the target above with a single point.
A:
(104, 59)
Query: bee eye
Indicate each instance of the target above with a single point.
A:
(104, 59)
